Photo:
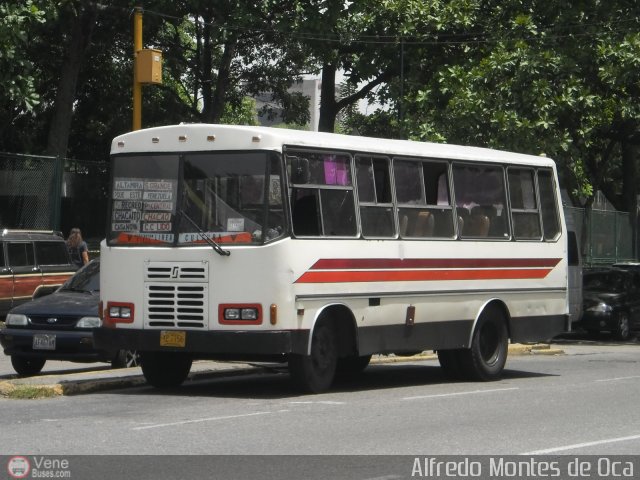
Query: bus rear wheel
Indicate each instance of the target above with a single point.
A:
(314, 373)
(165, 369)
(487, 356)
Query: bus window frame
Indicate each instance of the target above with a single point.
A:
(506, 204)
(376, 204)
(426, 206)
(553, 178)
(538, 202)
(293, 151)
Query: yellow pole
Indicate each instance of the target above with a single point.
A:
(137, 87)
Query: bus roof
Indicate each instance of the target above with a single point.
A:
(206, 137)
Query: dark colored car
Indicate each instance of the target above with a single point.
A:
(60, 326)
(611, 301)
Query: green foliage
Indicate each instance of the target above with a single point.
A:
(17, 86)
(542, 83)
(243, 114)
(526, 75)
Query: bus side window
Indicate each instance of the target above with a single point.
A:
(548, 204)
(374, 196)
(480, 189)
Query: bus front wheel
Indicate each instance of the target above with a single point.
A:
(165, 369)
(487, 356)
(314, 373)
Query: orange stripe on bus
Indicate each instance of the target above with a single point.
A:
(420, 275)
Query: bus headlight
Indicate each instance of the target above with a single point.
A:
(117, 312)
(245, 314)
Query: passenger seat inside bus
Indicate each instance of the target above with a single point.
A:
(476, 224)
(420, 224)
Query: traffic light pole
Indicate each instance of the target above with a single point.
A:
(137, 86)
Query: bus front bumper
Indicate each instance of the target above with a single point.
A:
(207, 344)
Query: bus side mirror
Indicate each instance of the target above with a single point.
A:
(300, 170)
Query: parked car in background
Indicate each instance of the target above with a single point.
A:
(60, 326)
(31, 261)
(611, 301)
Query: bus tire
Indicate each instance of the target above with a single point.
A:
(352, 365)
(26, 366)
(165, 369)
(487, 356)
(450, 363)
(314, 373)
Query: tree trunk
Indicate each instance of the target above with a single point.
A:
(328, 104)
(207, 67)
(58, 137)
(224, 80)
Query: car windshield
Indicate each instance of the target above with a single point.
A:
(613, 282)
(87, 279)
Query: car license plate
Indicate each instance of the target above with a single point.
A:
(43, 341)
(171, 338)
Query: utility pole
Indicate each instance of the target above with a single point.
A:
(137, 86)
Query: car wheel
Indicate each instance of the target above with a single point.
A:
(165, 369)
(126, 359)
(315, 373)
(622, 331)
(26, 366)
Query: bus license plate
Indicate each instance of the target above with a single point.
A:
(170, 338)
(43, 341)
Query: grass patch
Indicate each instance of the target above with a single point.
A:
(29, 392)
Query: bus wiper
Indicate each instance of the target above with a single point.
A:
(219, 250)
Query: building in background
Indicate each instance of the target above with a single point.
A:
(309, 87)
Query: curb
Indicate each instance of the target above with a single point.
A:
(16, 388)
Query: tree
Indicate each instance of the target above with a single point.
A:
(538, 81)
(18, 93)
(83, 20)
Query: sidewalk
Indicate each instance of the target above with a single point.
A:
(40, 386)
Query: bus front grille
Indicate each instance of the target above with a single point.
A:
(180, 305)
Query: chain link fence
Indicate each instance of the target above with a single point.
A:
(30, 195)
(50, 193)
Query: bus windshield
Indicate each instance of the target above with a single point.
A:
(190, 199)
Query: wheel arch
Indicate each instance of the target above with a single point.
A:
(343, 323)
(492, 303)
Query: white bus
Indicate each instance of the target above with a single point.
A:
(316, 249)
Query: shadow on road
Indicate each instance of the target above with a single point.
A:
(277, 385)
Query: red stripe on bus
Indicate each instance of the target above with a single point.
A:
(408, 263)
(347, 276)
